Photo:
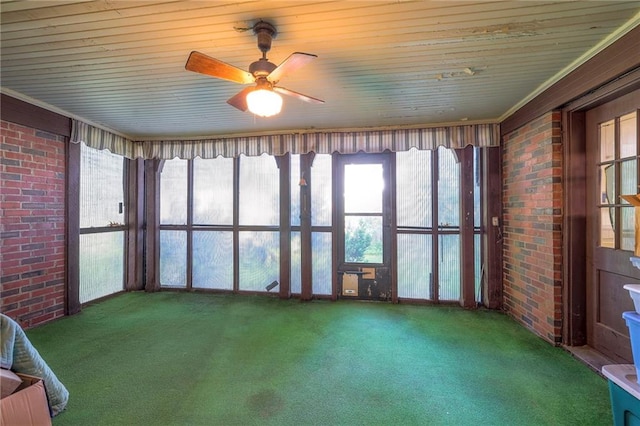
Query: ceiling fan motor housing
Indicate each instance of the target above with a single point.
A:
(265, 32)
(261, 68)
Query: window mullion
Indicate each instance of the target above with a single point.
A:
(236, 222)
(617, 202)
(190, 197)
(435, 226)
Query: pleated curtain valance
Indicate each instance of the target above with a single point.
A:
(348, 142)
(97, 138)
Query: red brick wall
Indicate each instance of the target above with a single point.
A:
(532, 203)
(32, 251)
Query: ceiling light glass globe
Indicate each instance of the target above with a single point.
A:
(264, 103)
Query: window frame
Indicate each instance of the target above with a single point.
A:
(110, 228)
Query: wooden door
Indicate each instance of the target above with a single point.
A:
(612, 171)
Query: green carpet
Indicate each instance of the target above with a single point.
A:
(203, 359)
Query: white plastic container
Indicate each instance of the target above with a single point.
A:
(634, 291)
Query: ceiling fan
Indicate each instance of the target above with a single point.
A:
(260, 99)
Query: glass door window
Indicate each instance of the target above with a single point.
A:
(363, 191)
(618, 175)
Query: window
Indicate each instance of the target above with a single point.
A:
(363, 189)
(319, 181)
(202, 237)
(428, 221)
(321, 213)
(173, 193)
(259, 222)
(618, 175)
(173, 215)
(102, 224)
(213, 223)
(220, 222)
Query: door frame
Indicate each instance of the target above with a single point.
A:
(576, 265)
(387, 160)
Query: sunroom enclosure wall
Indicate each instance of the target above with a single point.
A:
(221, 226)
(142, 207)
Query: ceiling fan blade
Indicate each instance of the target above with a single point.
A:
(298, 95)
(239, 100)
(203, 64)
(293, 62)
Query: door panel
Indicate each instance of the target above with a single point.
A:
(610, 329)
(612, 170)
(611, 335)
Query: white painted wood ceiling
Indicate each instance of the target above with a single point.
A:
(120, 64)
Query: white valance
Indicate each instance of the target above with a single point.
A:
(347, 142)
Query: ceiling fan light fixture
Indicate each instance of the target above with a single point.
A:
(261, 99)
(264, 102)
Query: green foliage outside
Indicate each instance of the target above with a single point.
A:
(359, 244)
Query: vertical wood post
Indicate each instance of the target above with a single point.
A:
(135, 229)
(492, 235)
(73, 229)
(284, 164)
(306, 292)
(152, 224)
(467, 240)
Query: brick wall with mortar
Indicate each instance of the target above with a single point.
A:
(32, 248)
(532, 219)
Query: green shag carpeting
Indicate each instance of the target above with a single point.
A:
(203, 359)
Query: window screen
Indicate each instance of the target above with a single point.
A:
(101, 265)
(213, 260)
(213, 191)
(101, 188)
(259, 259)
(321, 200)
(413, 188)
(295, 190)
(321, 245)
(259, 191)
(418, 235)
(173, 258)
(414, 266)
(477, 211)
(173, 192)
(296, 264)
(102, 222)
(449, 267)
(448, 189)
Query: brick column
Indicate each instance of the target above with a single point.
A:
(32, 248)
(532, 207)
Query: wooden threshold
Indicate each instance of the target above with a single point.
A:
(593, 358)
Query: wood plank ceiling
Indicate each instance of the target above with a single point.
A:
(120, 64)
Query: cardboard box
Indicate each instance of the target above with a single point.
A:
(9, 382)
(27, 405)
(349, 284)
